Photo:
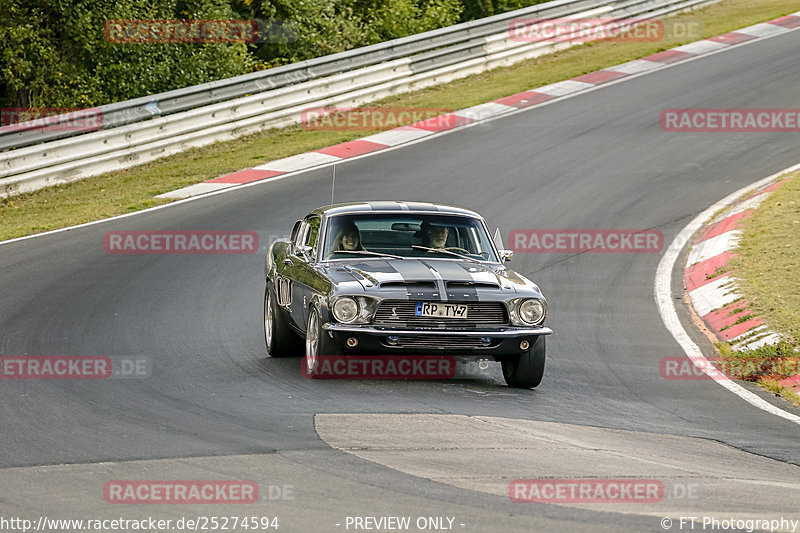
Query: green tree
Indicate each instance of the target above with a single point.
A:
(53, 53)
(392, 19)
(313, 28)
(476, 9)
(305, 29)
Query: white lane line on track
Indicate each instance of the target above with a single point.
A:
(660, 66)
(669, 315)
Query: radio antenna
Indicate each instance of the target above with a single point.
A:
(333, 183)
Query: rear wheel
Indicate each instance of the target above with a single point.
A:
(525, 371)
(279, 339)
(318, 343)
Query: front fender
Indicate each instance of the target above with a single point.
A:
(320, 303)
(275, 252)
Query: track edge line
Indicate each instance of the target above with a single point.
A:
(662, 291)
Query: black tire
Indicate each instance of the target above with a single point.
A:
(525, 371)
(280, 340)
(318, 343)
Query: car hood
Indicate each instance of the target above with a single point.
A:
(429, 277)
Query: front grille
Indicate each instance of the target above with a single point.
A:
(441, 342)
(403, 313)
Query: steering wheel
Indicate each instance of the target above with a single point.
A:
(456, 248)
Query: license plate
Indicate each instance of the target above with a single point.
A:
(440, 310)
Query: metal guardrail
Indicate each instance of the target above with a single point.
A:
(147, 107)
(146, 128)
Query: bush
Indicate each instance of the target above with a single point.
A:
(53, 53)
(476, 9)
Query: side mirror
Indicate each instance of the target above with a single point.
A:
(305, 251)
(506, 255)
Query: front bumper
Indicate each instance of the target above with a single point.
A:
(372, 339)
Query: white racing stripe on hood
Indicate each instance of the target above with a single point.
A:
(439, 281)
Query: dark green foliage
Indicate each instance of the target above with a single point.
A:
(315, 28)
(476, 9)
(53, 53)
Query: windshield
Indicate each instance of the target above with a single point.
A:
(407, 235)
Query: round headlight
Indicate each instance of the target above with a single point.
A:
(345, 309)
(531, 311)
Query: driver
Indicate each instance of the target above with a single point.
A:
(434, 236)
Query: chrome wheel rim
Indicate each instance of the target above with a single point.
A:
(312, 342)
(268, 319)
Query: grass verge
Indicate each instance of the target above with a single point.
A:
(134, 189)
(767, 267)
(765, 366)
(779, 390)
(768, 260)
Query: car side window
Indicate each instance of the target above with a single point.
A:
(301, 234)
(313, 231)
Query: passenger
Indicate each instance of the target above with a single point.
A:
(348, 238)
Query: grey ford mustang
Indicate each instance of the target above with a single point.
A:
(402, 278)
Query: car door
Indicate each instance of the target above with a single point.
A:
(292, 269)
(287, 265)
(306, 278)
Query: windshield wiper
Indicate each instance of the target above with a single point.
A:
(448, 252)
(367, 252)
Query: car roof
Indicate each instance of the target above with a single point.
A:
(400, 207)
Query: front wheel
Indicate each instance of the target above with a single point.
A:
(318, 343)
(525, 371)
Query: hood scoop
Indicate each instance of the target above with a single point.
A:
(361, 275)
(408, 285)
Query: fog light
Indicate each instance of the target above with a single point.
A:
(392, 340)
(524, 345)
(486, 341)
(352, 342)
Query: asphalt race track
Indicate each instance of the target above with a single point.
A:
(215, 407)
